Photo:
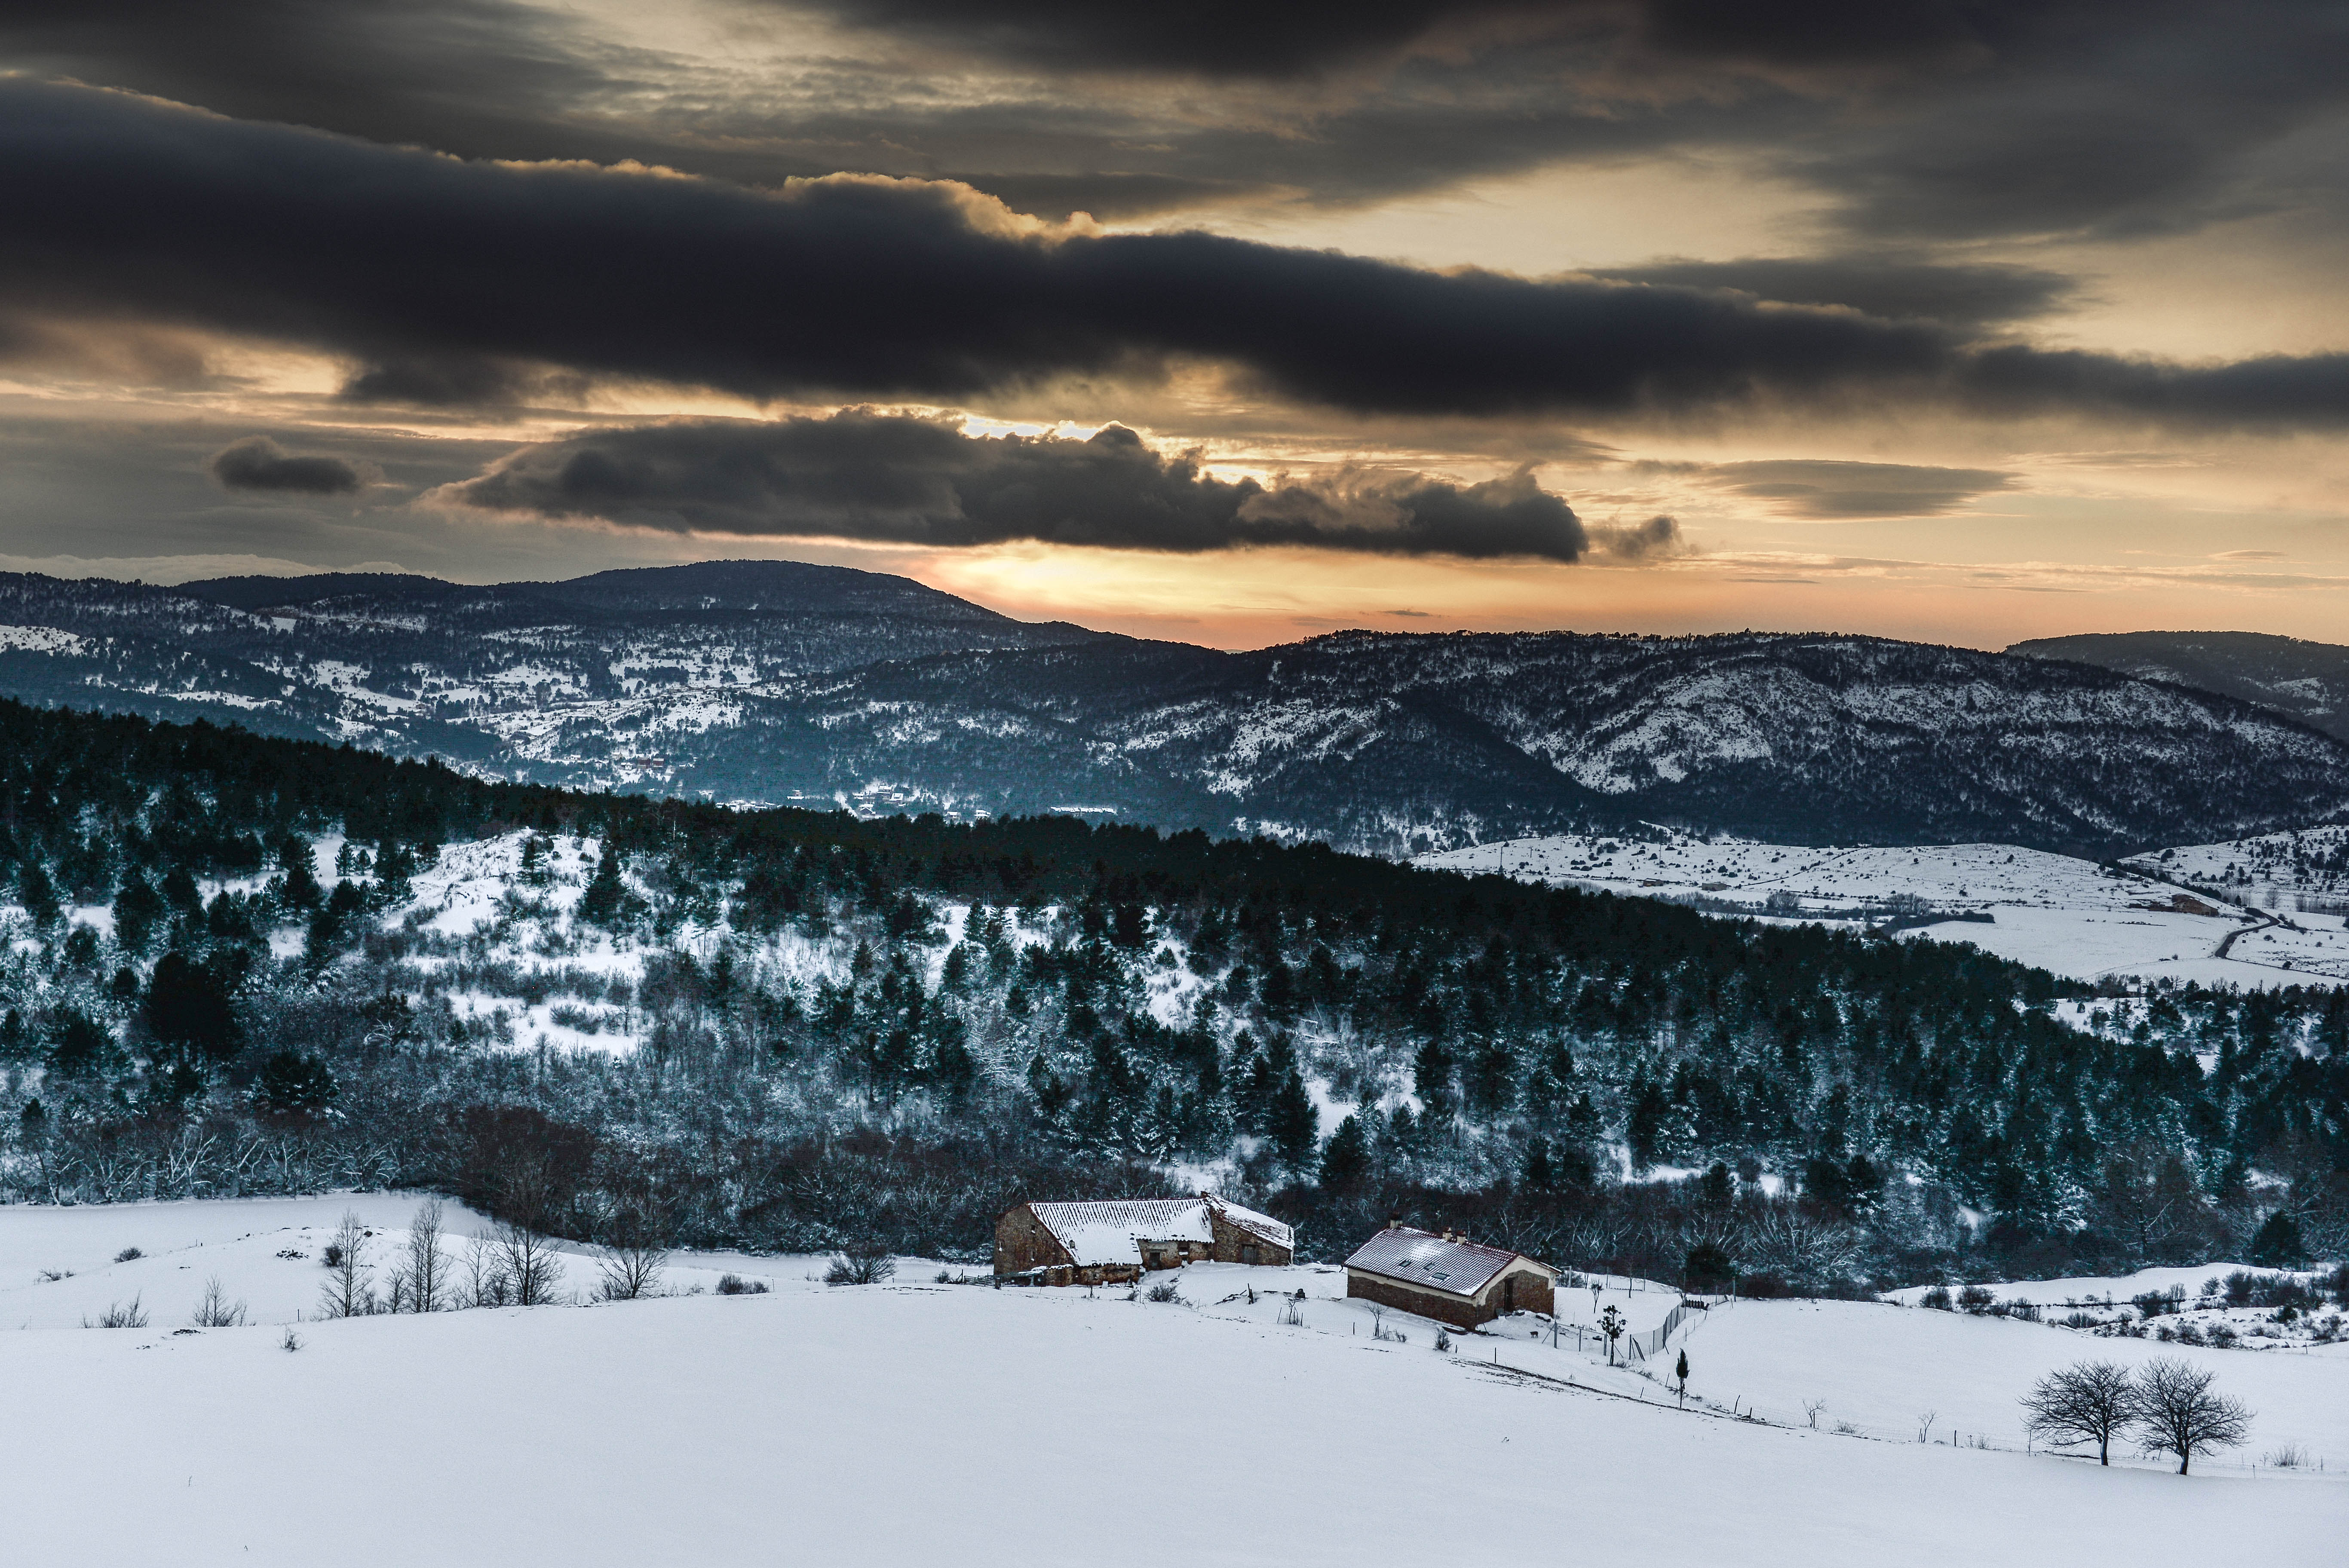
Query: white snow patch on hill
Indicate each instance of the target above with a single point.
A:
(2065, 914)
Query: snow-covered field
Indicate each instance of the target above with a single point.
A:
(2071, 916)
(265, 1253)
(915, 1423)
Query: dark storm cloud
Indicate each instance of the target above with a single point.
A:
(450, 280)
(476, 77)
(1957, 293)
(865, 475)
(1235, 39)
(1827, 489)
(258, 463)
(1938, 121)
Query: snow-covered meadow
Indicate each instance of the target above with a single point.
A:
(917, 1421)
(2067, 915)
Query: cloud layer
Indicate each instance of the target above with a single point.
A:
(1950, 118)
(1804, 487)
(864, 475)
(470, 283)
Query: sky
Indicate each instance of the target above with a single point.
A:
(1965, 322)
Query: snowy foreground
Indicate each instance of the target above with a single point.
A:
(915, 1423)
(2067, 915)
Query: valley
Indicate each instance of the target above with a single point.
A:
(2216, 914)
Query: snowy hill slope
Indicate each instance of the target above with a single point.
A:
(802, 1423)
(2305, 871)
(2067, 915)
(588, 681)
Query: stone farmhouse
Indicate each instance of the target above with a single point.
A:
(1111, 1243)
(1448, 1277)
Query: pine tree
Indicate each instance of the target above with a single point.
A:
(600, 905)
(1346, 1159)
(300, 889)
(187, 1008)
(37, 893)
(2278, 1243)
(1293, 1125)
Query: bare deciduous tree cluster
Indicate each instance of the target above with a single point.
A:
(2167, 1405)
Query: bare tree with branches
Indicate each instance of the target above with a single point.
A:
(420, 1283)
(2179, 1414)
(485, 1283)
(634, 1251)
(531, 1270)
(348, 1291)
(216, 1311)
(1807, 1249)
(2086, 1402)
(861, 1263)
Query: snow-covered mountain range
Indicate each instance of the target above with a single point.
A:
(779, 681)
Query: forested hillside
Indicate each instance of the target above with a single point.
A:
(246, 964)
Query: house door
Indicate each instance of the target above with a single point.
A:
(1510, 1295)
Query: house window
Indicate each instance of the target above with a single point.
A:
(1249, 1254)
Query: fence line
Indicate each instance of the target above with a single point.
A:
(1652, 1342)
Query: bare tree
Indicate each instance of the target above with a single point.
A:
(634, 1251)
(531, 1270)
(486, 1284)
(861, 1263)
(347, 1293)
(1805, 1248)
(2086, 1402)
(216, 1311)
(626, 1269)
(419, 1278)
(2177, 1413)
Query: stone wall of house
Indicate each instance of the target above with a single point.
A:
(1442, 1305)
(1521, 1289)
(1022, 1243)
(1230, 1241)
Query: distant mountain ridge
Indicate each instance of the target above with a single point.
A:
(778, 682)
(1404, 744)
(2307, 680)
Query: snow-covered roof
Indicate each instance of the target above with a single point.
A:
(1109, 1232)
(1260, 1225)
(1419, 1258)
